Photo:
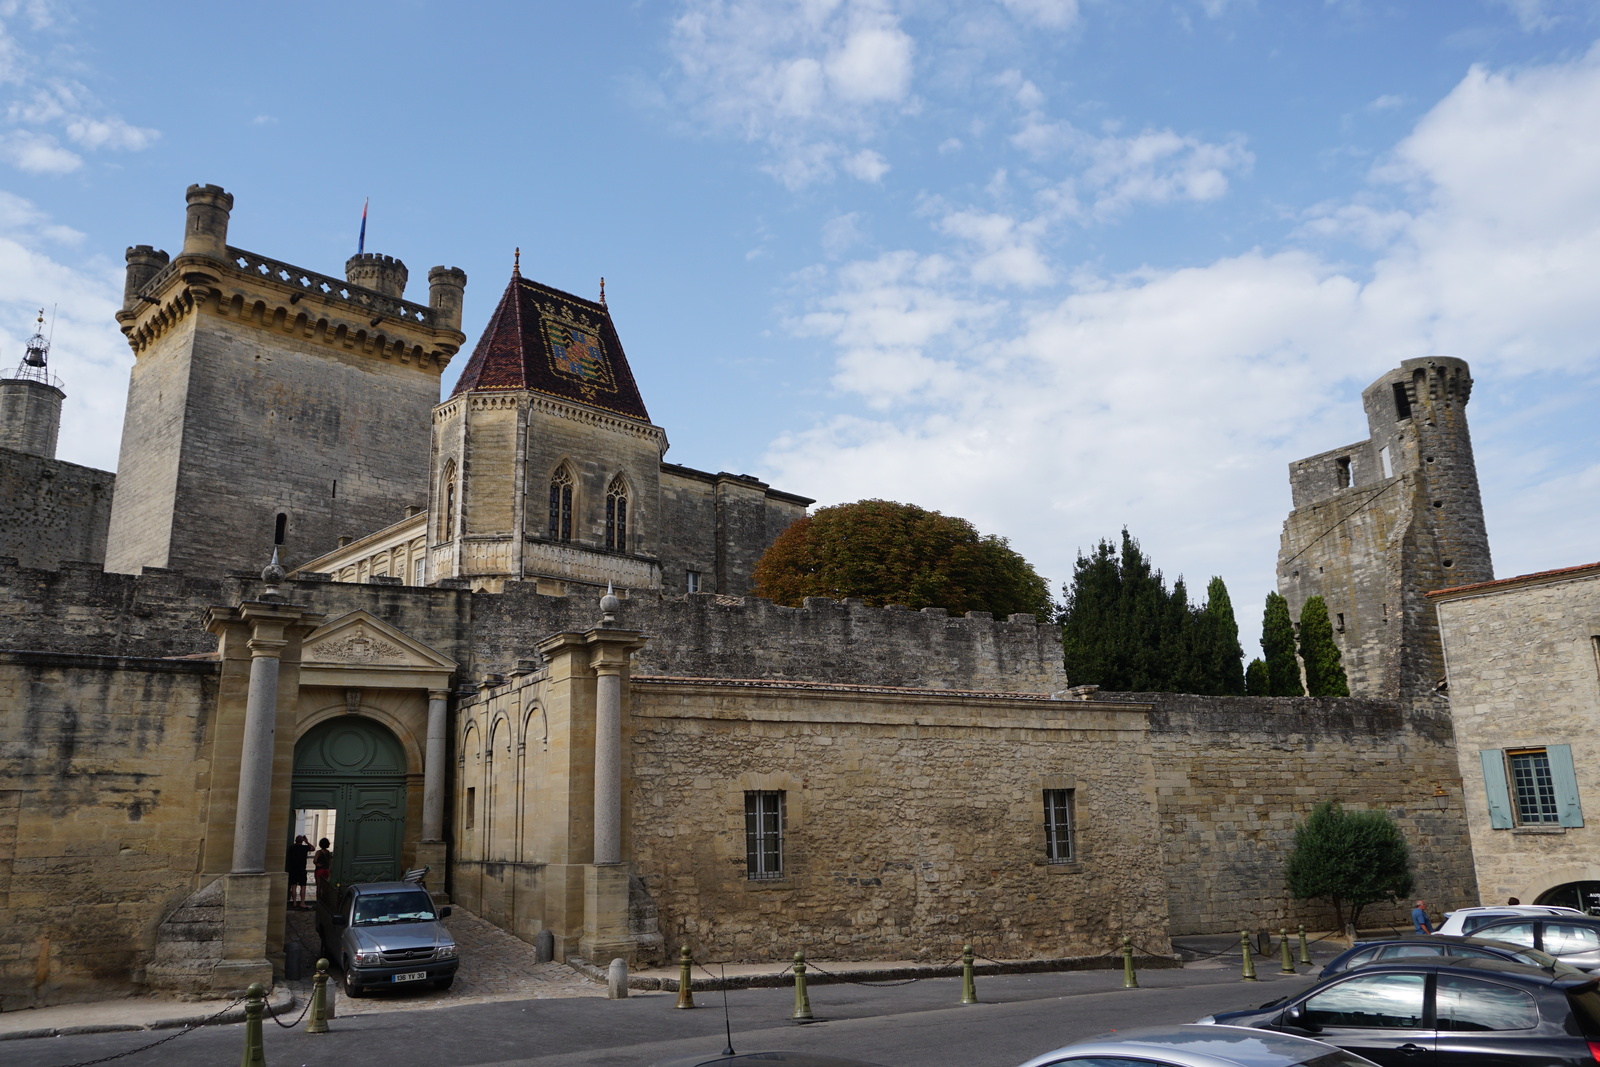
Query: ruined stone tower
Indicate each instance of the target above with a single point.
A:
(268, 402)
(1379, 523)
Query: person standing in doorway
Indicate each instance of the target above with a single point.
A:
(1419, 918)
(295, 863)
(322, 870)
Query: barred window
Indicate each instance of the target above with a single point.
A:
(1060, 845)
(1533, 787)
(617, 515)
(561, 506)
(763, 833)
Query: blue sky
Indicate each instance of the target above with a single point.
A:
(1057, 266)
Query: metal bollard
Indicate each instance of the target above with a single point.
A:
(1305, 954)
(255, 1001)
(317, 1021)
(1288, 961)
(969, 988)
(1249, 959)
(1130, 980)
(685, 976)
(802, 999)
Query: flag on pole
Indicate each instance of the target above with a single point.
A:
(361, 244)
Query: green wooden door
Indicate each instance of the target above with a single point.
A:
(356, 768)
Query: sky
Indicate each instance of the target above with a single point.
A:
(1055, 266)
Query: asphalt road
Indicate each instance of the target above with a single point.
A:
(917, 1025)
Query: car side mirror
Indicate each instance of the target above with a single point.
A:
(340, 920)
(1295, 1016)
(444, 912)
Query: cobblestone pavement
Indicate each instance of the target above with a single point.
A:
(494, 966)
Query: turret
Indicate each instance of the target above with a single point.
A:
(382, 274)
(446, 290)
(144, 263)
(206, 228)
(30, 401)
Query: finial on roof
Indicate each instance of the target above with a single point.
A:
(602, 291)
(609, 605)
(272, 574)
(516, 263)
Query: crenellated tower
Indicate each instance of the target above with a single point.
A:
(1378, 523)
(268, 402)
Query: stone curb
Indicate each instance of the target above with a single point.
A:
(282, 1000)
(879, 974)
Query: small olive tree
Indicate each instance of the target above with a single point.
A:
(1349, 858)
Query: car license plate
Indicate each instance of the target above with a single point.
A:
(411, 977)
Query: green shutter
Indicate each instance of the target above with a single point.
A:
(1494, 783)
(1565, 778)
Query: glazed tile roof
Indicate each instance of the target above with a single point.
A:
(550, 342)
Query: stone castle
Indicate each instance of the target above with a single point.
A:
(433, 667)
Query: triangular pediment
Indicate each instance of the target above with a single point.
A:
(360, 639)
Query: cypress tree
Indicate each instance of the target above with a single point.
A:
(1277, 645)
(1324, 670)
(1220, 660)
(1256, 680)
(1092, 626)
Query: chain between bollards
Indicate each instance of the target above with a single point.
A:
(969, 988)
(685, 976)
(318, 1022)
(255, 1054)
(802, 999)
(1288, 961)
(1249, 960)
(1130, 980)
(1305, 954)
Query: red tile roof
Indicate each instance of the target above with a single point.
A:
(1536, 576)
(546, 341)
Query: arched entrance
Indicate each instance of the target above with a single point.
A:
(354, 769)
(1585, 896)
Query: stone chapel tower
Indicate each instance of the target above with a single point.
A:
(1379, 523)
(269, 403)
(546, 466)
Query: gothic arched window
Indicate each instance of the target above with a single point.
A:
(447, 511)
(561, 505)
(617, 515)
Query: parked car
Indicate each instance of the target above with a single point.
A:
(386, 934)
(1461, 1013)
(1423, 946)
(1466, 921)
(1198, 1046)
(1573, 939)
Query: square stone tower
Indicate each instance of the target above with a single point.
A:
(269, 403)
(1381, 522)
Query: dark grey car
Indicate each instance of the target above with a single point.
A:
(1573, 939)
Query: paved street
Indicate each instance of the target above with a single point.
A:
(915, 1025)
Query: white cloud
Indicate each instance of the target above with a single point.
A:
(1054, 14)
(805, 78)
(41, 109)
(1171, 399)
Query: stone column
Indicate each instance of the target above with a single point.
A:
(257, 750)
(433, 770)
(608, 762)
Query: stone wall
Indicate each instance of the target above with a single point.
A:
(51, 510)
(1525, 674)
(99, 816)
(84, 609)
(1233, 776)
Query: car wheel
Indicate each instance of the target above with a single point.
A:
(350, 987)
(445, 982)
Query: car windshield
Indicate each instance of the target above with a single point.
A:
(374, 909)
